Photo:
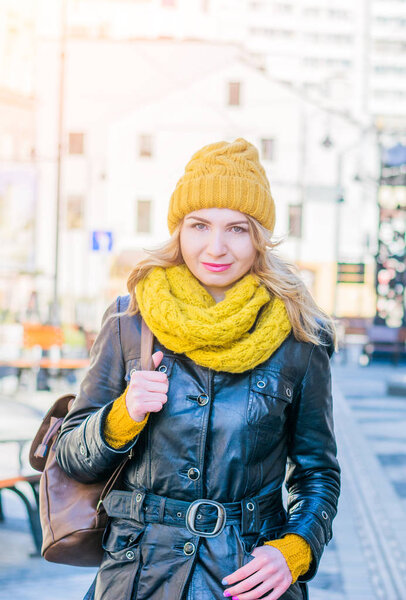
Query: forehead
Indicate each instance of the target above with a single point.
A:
(218, 215)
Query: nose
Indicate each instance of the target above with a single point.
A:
(216, 243)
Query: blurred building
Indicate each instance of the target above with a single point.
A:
(386, 75)
(391, 255)
(18, 175)
(147, 82)
(134, 113)
(349, 55)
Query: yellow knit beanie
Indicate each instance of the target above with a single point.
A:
(224, 175)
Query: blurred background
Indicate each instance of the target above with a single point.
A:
(102, 103)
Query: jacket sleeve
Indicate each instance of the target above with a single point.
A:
(313, 473)
(81, 450)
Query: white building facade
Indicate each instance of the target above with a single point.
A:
(128, 138)
(18, 174)
(147, 82)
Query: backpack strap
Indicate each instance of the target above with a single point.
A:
(147, 342)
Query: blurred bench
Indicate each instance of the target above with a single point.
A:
(46, 363)
(45, 336)
(12, 484)
(16, 484)
(385, 341)
(41, 350)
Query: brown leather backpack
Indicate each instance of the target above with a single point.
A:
(72, 515)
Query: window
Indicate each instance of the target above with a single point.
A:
(74, 212)
(234, 93)
(312, 12)
(332, 38)
(269, 32)
(282, 7)
(144, 216)
(390, 94)
(267, 148)
(390, 69)
(339, 14)
(295, 220)
(76, 143)
(145, 145)
(313, 61)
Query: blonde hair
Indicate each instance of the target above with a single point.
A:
(281, 278)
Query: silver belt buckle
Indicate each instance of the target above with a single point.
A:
(191, 517)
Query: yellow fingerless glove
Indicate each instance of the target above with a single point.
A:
(120, 428)
(296, 551)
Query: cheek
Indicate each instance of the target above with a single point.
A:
(188, 245)
(246, 252)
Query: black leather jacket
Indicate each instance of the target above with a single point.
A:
(226, 437)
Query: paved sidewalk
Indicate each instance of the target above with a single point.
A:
(365, 559)
(371, 431)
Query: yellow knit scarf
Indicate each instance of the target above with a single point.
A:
(186, 319)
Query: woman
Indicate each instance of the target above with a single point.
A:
(242, 389)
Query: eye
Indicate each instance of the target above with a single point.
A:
(199, 226)
(238, 229)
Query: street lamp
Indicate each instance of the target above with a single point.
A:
(327, 143)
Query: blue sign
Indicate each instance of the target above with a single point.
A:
(395, 156)
(102, 241)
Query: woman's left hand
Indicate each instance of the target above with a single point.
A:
(268, 570)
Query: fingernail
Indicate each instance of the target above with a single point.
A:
(224, 582)
(234, 598)
(227, 593)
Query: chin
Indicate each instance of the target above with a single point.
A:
(217, 279)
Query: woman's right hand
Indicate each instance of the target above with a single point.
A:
(147, 391)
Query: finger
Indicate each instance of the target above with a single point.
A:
(153, 407)
(246, 584)
(155, 386)
(265, 586)
(150, 375)
(276, 593)
(157, 357)
(244, 571)
(154, 397)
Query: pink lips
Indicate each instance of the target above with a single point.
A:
(216, 267)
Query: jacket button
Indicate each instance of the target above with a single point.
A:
(163, 368)
(288, 392)
(130, 555)
(133, 371)
(202, 399)
(82, 449)
(189, 548)
(193, 474)
(324, 515)
(138, 497)
(261, 384)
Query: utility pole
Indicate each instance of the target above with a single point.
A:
(337, 224)
(55, 316)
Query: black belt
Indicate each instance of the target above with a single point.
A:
(146, 507)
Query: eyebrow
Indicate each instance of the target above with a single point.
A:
(206, 221)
